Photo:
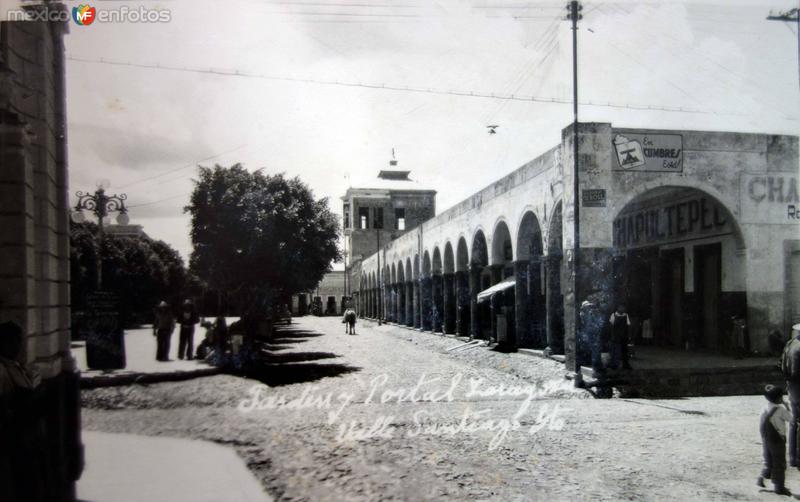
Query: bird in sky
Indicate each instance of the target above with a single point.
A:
(492, 128)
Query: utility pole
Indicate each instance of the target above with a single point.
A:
(575, 8)
(791, 15)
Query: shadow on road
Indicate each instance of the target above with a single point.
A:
(296, 357)
(278, 367)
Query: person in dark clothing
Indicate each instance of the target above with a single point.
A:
(21, 422)
(773, 439)
(590, 343)
(163, 326)
(790, 366)
(620, 326)
(188, 318)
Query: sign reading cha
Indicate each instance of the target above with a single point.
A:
(770, 198)
(649, 152)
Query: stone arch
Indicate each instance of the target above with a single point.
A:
(502, 245)
(529, 237)
(479, 252)
(436, 264)
(651, 189)
(426, 264)
(462, 256)
(449, 261)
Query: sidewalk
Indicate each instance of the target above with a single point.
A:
(126, 467)
(141, 365)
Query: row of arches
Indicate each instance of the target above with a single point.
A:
(439, 290)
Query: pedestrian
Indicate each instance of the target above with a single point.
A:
(188, 318)
(163, 326)
(349, 318)
(773, 439)
(21, 421)
(790, 366)
(620, 337)
(220, 339)
(591, 329)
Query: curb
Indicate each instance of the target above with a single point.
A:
(97, 381)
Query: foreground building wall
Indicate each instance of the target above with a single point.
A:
(689, 228)
(34, 253)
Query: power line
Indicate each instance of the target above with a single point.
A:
(187, 166)
(159, 200)
(390, 87)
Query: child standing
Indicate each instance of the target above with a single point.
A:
(773, 439)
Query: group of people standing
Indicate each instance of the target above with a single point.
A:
(599, 334)
(164, 325)
(166, 319)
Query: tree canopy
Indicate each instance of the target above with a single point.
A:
(260, 237)
(140, 270)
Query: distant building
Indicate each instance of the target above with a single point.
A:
(330, 295)
(125, 230)
(375, 212)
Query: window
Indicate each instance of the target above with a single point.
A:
(346, 213)
(400, 218)
(378, 221)
(363, 218)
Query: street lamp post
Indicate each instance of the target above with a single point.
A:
(100, 205)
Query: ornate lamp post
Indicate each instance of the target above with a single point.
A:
(100, 205)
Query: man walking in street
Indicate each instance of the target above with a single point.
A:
(620, 327)
(163, 326)
(188, 318)
(590, 343)
(790, 366)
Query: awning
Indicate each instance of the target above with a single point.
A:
(497, 288)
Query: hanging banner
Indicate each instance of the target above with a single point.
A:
(648, 152)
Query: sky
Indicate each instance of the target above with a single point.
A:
(698, 65)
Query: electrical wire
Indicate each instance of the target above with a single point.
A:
(390, 87)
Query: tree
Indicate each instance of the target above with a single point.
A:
(259, 237)
(141, 271)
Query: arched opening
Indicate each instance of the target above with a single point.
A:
(679, 271)
(437, 291)
(425, 293)
(400, 295)
(411, 281)
(463, 304)
(531, 311)
(553, 287)
(449, 293)
(480, 278)
(498, 302)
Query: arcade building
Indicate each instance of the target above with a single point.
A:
(696, 232)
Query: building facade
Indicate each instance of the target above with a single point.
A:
(34, 265)
(689, 229)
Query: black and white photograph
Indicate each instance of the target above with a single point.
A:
(399, 250)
